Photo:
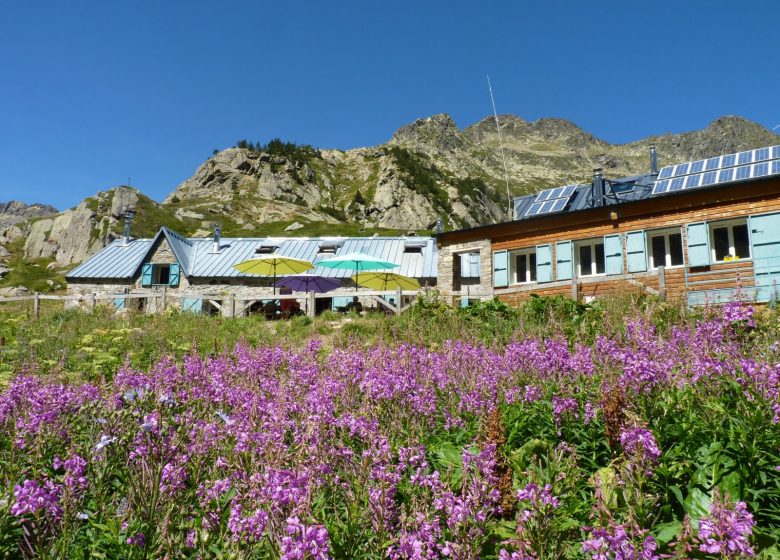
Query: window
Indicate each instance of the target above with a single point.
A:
(266, 249)
(414, 246)
(522, 266)
(328, 247)
(161, 274)
(590, 257)
(729, 241)
(666, 248)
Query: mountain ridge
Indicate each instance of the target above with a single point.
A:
(429, 168)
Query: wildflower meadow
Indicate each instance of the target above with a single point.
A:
(642, 439)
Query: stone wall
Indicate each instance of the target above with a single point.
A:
(449, 266)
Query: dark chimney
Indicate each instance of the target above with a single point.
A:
(653, 160)
(129, 215)
(217, 235)
(598, 188)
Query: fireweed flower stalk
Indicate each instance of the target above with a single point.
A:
(642, 453)
(726, 531)
(618, 543)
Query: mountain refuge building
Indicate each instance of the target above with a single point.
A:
(200, 276)
(704, 230)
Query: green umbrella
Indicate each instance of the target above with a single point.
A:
(357, 262)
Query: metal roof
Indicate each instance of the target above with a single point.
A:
(197, 259)
(114, 261)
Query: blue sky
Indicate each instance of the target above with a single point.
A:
(94, 93)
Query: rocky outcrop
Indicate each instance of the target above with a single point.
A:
(71, 236)
(68, 237)
(14, 212)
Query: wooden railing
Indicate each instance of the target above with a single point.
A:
(236, 306)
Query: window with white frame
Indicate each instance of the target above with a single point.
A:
(729, 240)
(522, 266)
(665, 248)
(590, 257)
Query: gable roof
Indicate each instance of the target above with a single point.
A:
(120, 261)
(198, 260)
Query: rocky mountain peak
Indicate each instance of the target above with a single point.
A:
(438, 133)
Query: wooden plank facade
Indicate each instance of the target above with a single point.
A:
(627, 238)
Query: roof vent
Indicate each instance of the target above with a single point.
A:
(653, 160)
(598, 188)
(129, 215)
(217, 237)
(414, 245)
(329, 246)
(267, 248)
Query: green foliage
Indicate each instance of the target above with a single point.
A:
(424, 178)
(297, 153)
(546, 314)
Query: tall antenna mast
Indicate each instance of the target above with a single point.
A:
(503, 156)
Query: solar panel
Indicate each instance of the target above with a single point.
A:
(719, 170)
(697, 166)
(760, 169)
(551, 200)
(743, 172)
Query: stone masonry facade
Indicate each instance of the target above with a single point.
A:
(449, 266)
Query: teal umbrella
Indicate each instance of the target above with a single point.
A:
(357, 262)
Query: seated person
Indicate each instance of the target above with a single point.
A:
(269, 309)
(286, 305)
(355, 305)
(296, 308)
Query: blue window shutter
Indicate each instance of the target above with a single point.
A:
(192, 305)
(544, 272)
(765, 251)
(469, 265)
(119, 303)
(500, 273)
(146, 275)
(173, 276)
(563, 260)
(698, 244)
(636, 251)
(613, 254)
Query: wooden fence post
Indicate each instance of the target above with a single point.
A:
(662, 282)
(232, 305)
(398, 301)
(164, 298)
(37, 305)
(94, 301)
(575, 289)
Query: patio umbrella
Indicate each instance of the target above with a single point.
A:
(357, 262)
(308, 283)
(386, 281)
(273, 265)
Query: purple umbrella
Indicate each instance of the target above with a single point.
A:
(308, 283)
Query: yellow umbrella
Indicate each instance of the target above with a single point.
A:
(385, 281)
(273, 265)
